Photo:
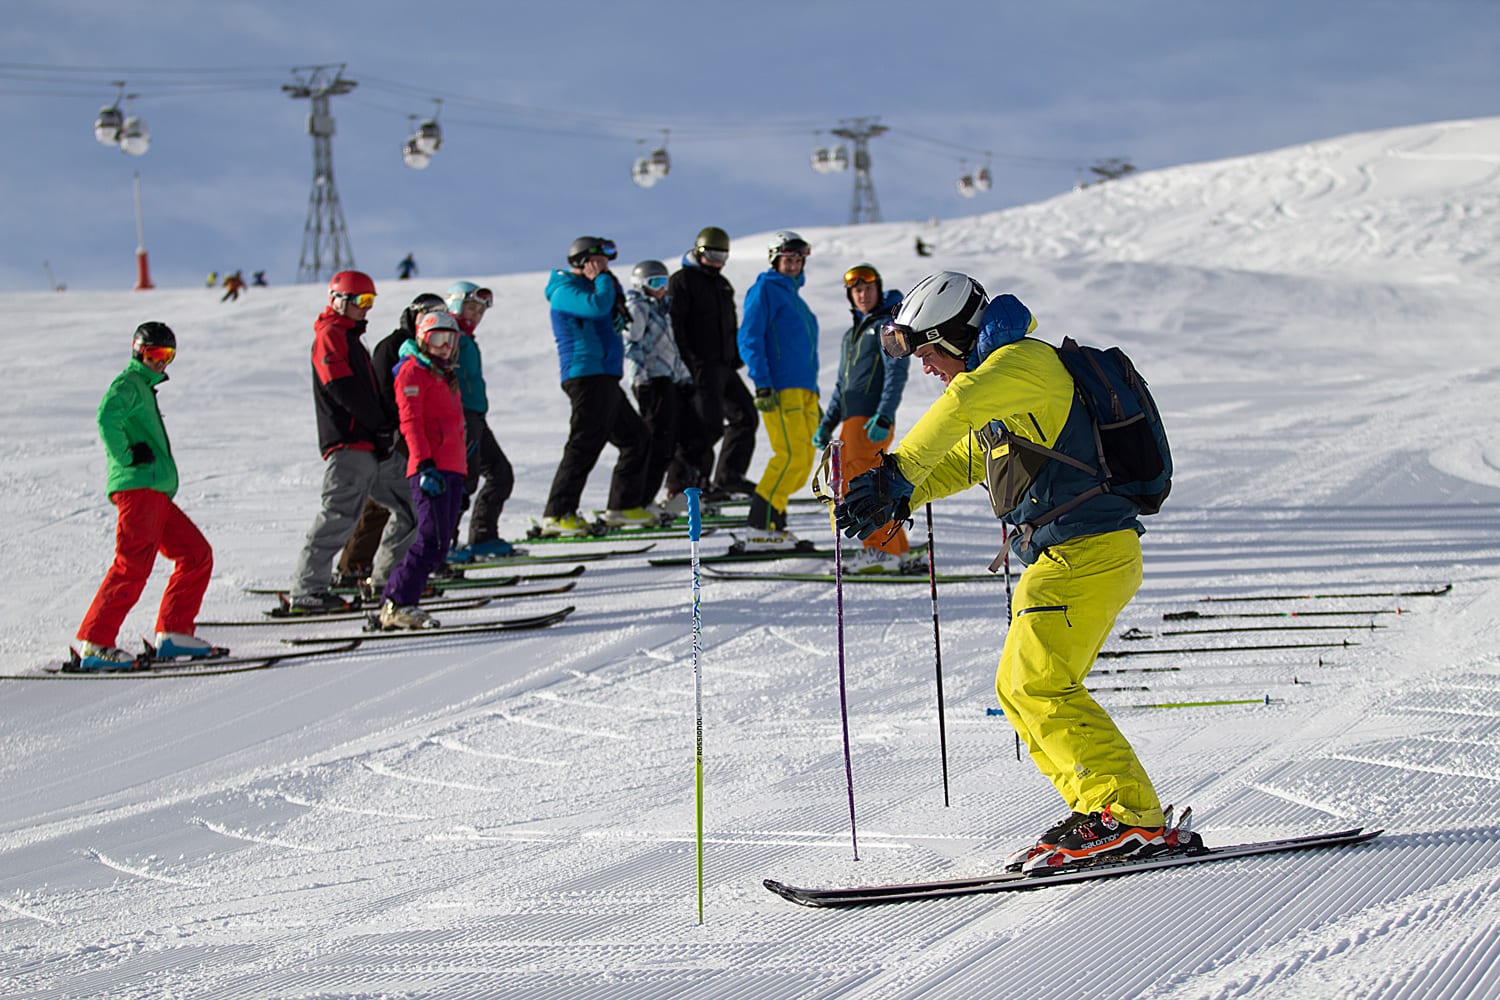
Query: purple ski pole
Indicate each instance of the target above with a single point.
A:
(836, 473)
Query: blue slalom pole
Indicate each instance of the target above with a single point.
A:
(695, 532)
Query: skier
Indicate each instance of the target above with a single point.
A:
(357, 437)
(704, 325)
(432, 425)
(142, 480)
(1082, 567)
(468, 303)
(663, 389)
(407, 268)
(778, 338)
(232, 286)
(863, 406)
(588, 312)
(359, 551)
(258, 280)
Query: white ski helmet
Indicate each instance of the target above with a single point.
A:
(943, 309)
(787, 242)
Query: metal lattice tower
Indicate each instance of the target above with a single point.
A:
(864, 207)
(325, 238)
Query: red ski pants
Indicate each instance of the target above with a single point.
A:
(150, 523)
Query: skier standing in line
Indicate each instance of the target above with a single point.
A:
(359, 551)
(588, 313)
(432, 425)
(1082, 567)
(141, 483)
(663, 389)
(705, 327)
(468, 303)
(357, 438)
(863, 406)
(778, 338)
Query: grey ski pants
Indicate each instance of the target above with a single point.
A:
(349, 478)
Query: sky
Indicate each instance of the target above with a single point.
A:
(543, 115)
(514, 815)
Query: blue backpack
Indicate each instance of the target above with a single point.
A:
(1131, 443)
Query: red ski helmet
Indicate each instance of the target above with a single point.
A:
(351, 283)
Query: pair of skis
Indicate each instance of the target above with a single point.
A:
(302, 648)
(1192, 854)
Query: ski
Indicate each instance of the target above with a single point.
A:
(1138, 633)
(1192, 616)
(468, 628)
(512, 562)
(1018, 882)
(734, 557)
(1115, 653)
(600, 532)
(472, 573)
(727, 574)
(1435, 592)
(146, 668)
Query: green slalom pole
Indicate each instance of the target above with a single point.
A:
(695, 532)
(1205, 704)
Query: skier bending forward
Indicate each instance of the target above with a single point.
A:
(1082, 567)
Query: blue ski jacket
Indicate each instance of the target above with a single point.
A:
(583, 325)
(778, 338)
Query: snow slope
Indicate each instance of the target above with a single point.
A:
(514, 816)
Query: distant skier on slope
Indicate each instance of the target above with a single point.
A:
(1082, 568)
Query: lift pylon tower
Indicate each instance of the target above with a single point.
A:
(325, 238)
(859, 131)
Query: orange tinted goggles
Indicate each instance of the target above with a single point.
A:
(860, 276)
(158, 355)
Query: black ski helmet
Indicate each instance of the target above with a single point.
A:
(152, 334)
(587, 246)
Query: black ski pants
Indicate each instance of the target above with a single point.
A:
(678, 452)
(487, 462)
(601, 414)
(726, 411)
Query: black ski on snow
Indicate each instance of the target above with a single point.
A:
(1435, 592)
(1071, 875)
(146, 668)
(468, 628)
(727, 574)
(600, 532)
(734, 557)
(525, 560)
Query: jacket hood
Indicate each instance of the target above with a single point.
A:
(1005, 321)
(887, 304)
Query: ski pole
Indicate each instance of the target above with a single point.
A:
(836, 470)
(937, 648)
(1005, 558)
(695, 531)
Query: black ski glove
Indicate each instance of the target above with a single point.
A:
(141, 454)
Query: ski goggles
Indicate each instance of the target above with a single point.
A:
(604, 248)
(158, 355)
(898, 341)
(861, 275)
(717, 256)
(441, 339)
(794, 248)
(656, 282)
(363, 300)
(483, 296)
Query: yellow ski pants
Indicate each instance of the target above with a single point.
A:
(1065, 605)
(790, 427)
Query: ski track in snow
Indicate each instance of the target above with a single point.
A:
(516, 816)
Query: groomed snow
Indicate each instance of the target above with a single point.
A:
(513, 815)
